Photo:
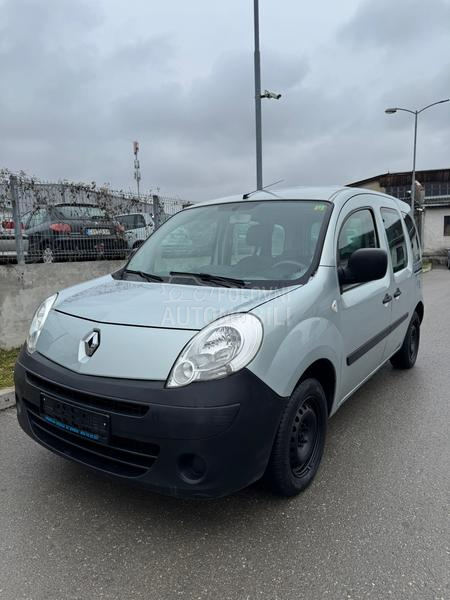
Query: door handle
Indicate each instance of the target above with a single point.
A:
(387, 299)
(397, 293)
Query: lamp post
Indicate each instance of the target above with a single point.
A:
(416, 113)
(258, 96)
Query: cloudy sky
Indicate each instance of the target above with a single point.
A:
(81, 79)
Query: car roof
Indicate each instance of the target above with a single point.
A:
(336, 194)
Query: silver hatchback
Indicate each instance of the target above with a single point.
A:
(8, 249)
(198, 372)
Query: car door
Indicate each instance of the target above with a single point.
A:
(403, 281)
(365, 309)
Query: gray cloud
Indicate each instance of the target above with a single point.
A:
(396, 23)
(81, 82)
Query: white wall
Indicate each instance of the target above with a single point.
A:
(434, 239)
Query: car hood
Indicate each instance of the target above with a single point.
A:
(161, 305)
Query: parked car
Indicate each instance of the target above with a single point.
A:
(199, 381)
(137, 228)
(8, 250)
(73, 231)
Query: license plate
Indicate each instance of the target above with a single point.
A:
(98, 232)
(84, 423)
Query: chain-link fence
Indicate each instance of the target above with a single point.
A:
(48, 222)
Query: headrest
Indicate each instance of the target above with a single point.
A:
(257, 235)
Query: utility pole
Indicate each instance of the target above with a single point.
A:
(137, 172)
(413, 179)
(258, 127)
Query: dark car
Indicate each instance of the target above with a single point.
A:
(73, 232)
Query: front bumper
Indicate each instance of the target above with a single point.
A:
(208, 439)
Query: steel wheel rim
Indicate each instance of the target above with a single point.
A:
(304, 440)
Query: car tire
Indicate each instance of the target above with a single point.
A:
(48, 253)
(300, 440)
(406, 357)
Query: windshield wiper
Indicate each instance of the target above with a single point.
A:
(231, 281)
(144, 275)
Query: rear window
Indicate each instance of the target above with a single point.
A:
(396, 238)
(82, 212)
(414, 238)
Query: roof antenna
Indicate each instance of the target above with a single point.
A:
(248, 194)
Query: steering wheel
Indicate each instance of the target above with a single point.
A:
(301, 266)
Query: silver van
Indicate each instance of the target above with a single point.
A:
(198, 371)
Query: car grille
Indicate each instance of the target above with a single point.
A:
(120, 456)
(113, 405)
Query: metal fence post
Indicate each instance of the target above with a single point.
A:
(17, 221)
(156, 211)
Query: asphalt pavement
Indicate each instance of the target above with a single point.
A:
(374, 523)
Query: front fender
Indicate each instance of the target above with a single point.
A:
(300, 328)
(287, 353)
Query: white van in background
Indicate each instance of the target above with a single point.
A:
(137, 226)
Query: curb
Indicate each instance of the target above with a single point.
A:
(7, 398)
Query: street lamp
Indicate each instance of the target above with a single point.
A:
(416, 113)
(258, 96)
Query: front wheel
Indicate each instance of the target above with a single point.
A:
(406, 357)
(299, 441)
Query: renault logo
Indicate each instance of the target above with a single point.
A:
(91, 342)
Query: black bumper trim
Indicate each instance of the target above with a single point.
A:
(359, 352)
(229, 423)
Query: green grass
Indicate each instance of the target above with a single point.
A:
(7, 361)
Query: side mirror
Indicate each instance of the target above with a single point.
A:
(365, 264)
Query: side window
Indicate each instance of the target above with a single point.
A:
(37, 218)
(414, 238)
(140, 221)
(396, 238)
(126, 221)
(278, 239)
(446, 225)
(43, 216)
(358, 231)
(32, 221)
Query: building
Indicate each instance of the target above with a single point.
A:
(432, 203)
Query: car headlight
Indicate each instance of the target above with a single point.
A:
(38, 322)
(219, 349)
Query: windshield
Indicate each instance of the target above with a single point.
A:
(262, 243)
(82, 212)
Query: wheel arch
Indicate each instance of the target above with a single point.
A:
(420, 310)
(323, 370)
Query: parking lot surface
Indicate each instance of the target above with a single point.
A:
(374, 523)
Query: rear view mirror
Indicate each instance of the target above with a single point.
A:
(365, 264)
